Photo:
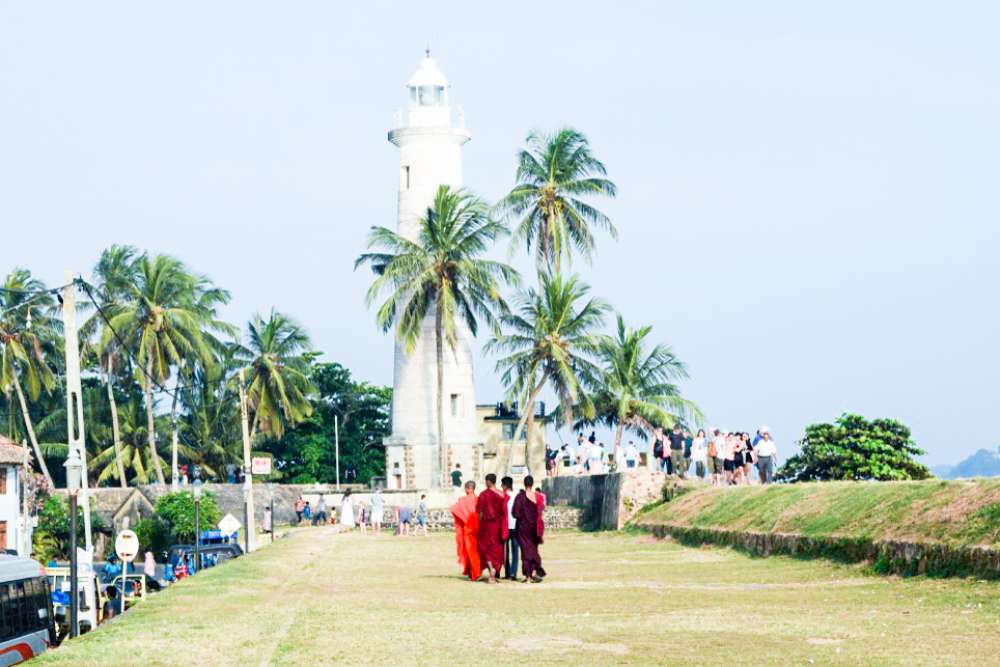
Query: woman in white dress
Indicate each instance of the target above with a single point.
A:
(347, 511)
(378, 509)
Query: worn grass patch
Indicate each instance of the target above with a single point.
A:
(318, 598)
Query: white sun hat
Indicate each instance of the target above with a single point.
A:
(764, 429)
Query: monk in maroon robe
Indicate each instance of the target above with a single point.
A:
(528, 508)
(492, 510)
(467, 532)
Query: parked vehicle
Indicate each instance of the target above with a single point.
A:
(89, 604)
(27, 627)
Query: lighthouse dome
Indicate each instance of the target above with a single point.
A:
(428, 74)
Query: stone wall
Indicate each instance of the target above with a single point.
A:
(229, 497)
(608, 501)
(887, 556)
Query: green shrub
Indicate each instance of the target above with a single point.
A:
(153, 534)
(53, 522)
(177, 512)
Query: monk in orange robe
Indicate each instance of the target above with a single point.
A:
(493, 526)
(467, 532)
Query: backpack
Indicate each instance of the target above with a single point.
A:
(658, 449)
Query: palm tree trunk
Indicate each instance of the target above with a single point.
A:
(154, 458)
(528, 409)
(174, 477)
(31, 430)
(439, 350)
(115, 429)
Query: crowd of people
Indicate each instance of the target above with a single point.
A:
(368, 517)
(722, 457)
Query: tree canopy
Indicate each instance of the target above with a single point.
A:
(854, 448)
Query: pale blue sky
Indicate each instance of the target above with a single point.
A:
(808, 200)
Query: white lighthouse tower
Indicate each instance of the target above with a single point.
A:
(430, 154)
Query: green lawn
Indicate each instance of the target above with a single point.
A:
(320, 598)
(957, 512)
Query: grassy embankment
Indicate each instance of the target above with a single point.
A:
(844, 519)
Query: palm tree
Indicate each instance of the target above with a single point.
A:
(278, 357)
(27, 326)
(550, 340)
(442, 274)
(634, 387)
(554, 173)
(116, 272)
(164, 323)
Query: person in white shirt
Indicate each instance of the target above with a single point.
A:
(595, 459)
(619, 456)
(699, 453)
(767, 454)
(631, 455)
(511, 548)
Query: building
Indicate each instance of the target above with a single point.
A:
(430, 139)
(497, 423)
(15, 532)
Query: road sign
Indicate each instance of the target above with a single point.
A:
(229, 524)
(260, 465)
(127, 546)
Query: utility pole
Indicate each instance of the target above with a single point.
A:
(250, 539)
(336, 445)
(74, 399)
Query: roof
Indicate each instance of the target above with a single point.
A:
(10, 452)
(428, 74)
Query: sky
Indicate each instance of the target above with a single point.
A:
(807, 196)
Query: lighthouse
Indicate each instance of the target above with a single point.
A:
(430, 137)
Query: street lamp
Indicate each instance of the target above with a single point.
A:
(197, 525)
(74, 476)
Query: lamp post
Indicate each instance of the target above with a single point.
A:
(197, 525)
(74, 474)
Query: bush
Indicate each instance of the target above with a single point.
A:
(153, 534)
(53, 524)
(177, 512)
(854, 448)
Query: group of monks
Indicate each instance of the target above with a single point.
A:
(483, 528)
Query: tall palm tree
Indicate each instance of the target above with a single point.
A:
(165, 327)
(116, 271)
(441, 273)
(205, 300)
(278, 357)
(554, 175)
(634, 386)
(27, 328)
(550, 340)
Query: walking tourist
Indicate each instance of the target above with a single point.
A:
(511, 548)
(422, 514)
(699, 453)
(364, 517)
(467, 532)
(307, 512)
(595, 458)
(149, 565)
(567, 456)
(493, 531)
(378, 510)
(659, 450)
(676, 438)
(300, 506)
(347, 511)
(631, 455)
(405, 518)
(729, 457)
(749, 456)
(618, 456)
(527, 510)
(321, 516)
(766, 453)
(456, 476)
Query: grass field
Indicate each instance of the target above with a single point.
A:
(319, 598)
(957, 512)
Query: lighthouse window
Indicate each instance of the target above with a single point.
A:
(455, 398)
(404, 177)
(431, 96)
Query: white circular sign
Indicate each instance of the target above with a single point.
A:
(127, 545)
